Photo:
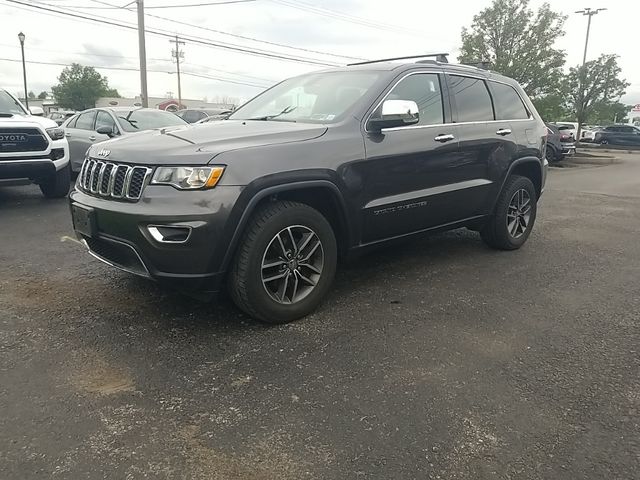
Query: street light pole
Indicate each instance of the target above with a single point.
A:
(589, 12)
(143, 54)
(21, 37)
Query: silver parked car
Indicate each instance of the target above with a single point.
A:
(99, 124)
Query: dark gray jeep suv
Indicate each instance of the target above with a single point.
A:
(316, 168)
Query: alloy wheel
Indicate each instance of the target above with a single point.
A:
(292, 264)
(519, 213)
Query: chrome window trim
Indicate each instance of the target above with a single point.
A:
(416, 72)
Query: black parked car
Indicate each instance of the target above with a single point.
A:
(618, 135)
(559, 143)
(318, 167)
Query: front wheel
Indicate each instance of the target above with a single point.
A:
(285, 263)
(514, 215)
(58, 184)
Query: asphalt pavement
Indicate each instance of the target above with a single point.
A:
(436, 358)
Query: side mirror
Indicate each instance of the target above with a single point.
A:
(36, 111)
(395, 113)
(106, 130)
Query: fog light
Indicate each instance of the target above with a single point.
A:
(56, 153)
(169, 234)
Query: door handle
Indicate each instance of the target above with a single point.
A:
(67, 134)
(92, 138)
(444, 138)
(504, 131)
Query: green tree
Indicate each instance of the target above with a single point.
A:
(597, 83)
(42, 95)
(32, 95)
(552, 107)
(79, 87)
(608, 112)
(518, 42)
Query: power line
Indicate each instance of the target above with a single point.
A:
(160, 6)
(188, 38)
(131, 69)
(88, 54)
(243, 37)
(346, 17)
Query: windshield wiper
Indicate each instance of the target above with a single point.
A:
(289, 109)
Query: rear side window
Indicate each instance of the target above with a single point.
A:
(72, 123)
(424, 89)
(472, 99)
(508, 103)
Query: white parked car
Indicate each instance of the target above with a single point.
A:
(32, 148)
(589, 132)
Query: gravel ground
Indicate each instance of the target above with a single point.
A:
(436, 358)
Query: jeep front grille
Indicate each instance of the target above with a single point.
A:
(107, 179)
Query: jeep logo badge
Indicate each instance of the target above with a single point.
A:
(13, 137)
(104, 152)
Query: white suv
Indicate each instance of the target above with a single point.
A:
(32, 148)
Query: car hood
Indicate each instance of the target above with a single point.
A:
(198, 144)
(27, 121)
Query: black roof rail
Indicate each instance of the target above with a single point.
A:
(440, 57)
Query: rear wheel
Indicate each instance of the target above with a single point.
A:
(58, 184)
(285, 263)
(514, 215)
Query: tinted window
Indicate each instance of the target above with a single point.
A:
(105, 120)
(508, 103)
(424, 89)
(472, 99)
(143, 119)
(85, 120)
(193, 116)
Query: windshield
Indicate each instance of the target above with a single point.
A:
(138, 120)
(313, 98)
(9, 105)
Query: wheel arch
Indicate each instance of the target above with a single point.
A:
(530, 167)
(323, 195)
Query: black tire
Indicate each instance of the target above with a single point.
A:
(496, 233)
(57, 186)
(245, 282)
(604, 141)
(552, 156)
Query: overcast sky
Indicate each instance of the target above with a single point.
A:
(359, 29)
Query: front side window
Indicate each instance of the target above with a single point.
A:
(85, 120)
(105, 120)
(424, 89)
(508, 103)
(313, 98)
(472, 99)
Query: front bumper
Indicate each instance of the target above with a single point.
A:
(35, 165)
(568, 148)
(121, 234)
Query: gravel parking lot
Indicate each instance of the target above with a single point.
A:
(436, 358)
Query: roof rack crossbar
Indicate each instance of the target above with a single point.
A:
(440, 57)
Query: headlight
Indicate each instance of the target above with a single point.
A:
(55, 133)
(188, 178)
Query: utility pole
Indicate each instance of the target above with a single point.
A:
(589, 12)
(143, 54)
(178, 55)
